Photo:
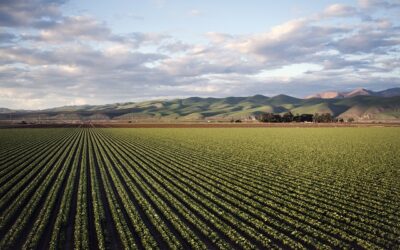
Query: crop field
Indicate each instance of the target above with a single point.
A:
(196, 188)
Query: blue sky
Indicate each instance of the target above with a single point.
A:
(60, 52)
(194, 17)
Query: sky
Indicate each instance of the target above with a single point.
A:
(59, 52)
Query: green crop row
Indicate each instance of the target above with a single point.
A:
(237, 188)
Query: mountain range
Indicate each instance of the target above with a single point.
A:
(356, 92)
(360, 104)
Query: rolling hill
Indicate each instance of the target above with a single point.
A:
(360, 107)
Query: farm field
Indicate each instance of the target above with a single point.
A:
(215, 188)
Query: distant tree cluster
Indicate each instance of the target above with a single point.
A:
(289, 117)
(327, 117)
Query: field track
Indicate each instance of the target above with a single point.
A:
(101, 188)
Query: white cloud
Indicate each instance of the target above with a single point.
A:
(22, 13)
(220, 38)
(286, 29)
(369, 4)
(339, 10)
(75, 28)
(49, 59)
(78, 101)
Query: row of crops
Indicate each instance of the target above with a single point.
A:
(92, 188)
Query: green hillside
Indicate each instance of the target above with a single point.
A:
(197, 109)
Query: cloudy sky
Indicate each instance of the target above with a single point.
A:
(56, 53)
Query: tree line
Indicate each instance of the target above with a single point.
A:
(289, 117)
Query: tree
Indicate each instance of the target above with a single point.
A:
(266, 117)
(287, 117)
(306, 117)
(326, 117)
(316, 118)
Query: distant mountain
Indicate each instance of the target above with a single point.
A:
(5, 110)
(327, 95)
(359, 104)
(389, 92)
(357, 92)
